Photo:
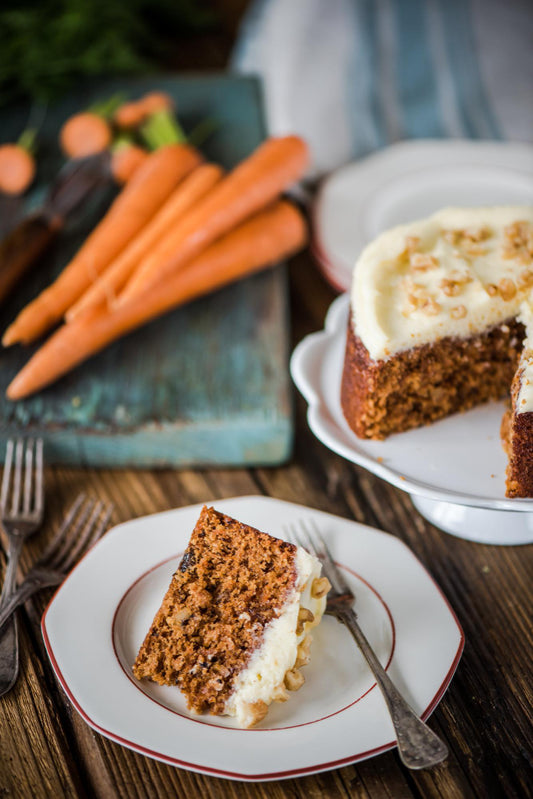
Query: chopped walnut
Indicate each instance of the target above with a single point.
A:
(304, 616)
(450, 287)
(294, 679)
(431, 307)
(525, 279)
(303, 656)
(458, 312)
(320, 587)
(507, 289)
(255, 712)
(280, 694)
(518, 244)
(421, 262)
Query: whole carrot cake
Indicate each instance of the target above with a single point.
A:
(435, 324)
(233, 630)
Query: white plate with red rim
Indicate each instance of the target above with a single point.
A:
(97, 620)
(454, 469)
(411, 180)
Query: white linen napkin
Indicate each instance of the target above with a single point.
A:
(351, 76)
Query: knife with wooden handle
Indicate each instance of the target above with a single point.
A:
(28, 240)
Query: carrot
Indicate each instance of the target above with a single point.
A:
(85, 134)
(126, 158)
(17, 164)
(134, 113)
(252, 185)
(270, 235)
(188, 192)
(137, 203)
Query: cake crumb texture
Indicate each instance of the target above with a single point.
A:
(231, 583)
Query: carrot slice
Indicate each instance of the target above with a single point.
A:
(137, 203)
(84, 134)
(262, 240)
(17, 169)
(110, 283)
(252, 185)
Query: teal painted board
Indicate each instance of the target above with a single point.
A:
(206, 384)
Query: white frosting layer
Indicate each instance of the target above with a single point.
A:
(453, 274)
(268, 665)
(524, 403)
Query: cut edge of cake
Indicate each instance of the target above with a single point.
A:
(233, 629)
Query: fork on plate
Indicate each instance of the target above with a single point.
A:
(418, 746)
(83, 525)
(21, 511)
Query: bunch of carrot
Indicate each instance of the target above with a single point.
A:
(179, 229)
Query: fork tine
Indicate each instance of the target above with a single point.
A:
(17, 481)
(6, 478)
(39, 478)
(28, 475)
(77, 522)
(331, 570)
(57, 541)
(91, 534)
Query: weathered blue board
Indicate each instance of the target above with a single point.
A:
(205, 385)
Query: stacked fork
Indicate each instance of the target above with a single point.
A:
(22, 510)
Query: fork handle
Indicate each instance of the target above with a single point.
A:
(26, 589)
(9, 645)
(418, 746)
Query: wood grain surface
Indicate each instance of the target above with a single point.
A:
(47, 750)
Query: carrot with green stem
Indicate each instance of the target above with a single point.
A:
(251, 186)
(113, 279)
(134, 207)
(263, 240)
(126, 158)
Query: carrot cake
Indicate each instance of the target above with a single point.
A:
(435, 323)
(517, 423)
(233, 630)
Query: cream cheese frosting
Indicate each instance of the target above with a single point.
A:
(524, 403)
(456, 273)
(264, 675)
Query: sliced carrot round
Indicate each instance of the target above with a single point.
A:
(84, 134)
(17, 169)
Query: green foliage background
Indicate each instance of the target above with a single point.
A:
(46, 45)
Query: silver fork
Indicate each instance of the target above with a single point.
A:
(418, 746)
(22, 510)
(81, 528)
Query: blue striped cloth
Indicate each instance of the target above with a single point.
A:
(354, 75)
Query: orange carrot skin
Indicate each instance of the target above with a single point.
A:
(84, 134)
(252, 185)
(133, 114)
(137, 203)
(261, 241)
(126, 160)
(17, 169)
(113, 279)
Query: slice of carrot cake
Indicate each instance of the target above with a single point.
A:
(233, 629)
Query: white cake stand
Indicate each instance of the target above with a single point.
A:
(454, 469)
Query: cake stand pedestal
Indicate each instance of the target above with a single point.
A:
(484, 525)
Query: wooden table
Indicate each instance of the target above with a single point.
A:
(47, 750)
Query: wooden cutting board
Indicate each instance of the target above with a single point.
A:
(208, 383)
